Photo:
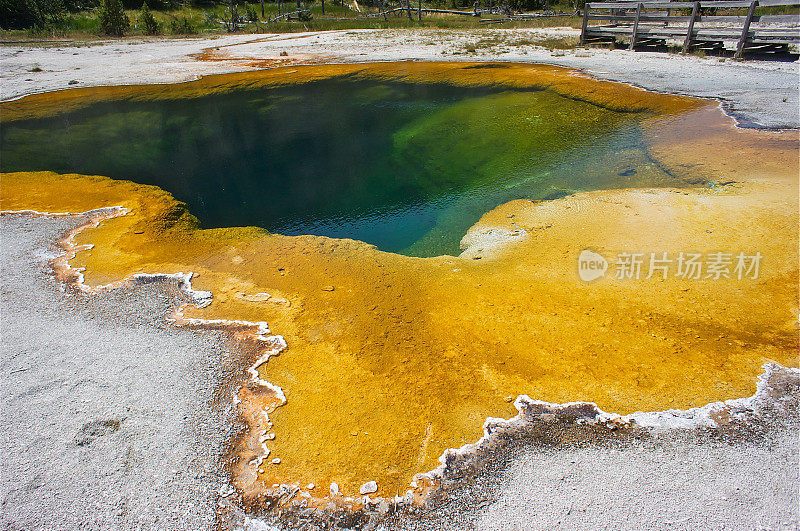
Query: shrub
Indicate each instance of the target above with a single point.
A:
(210, 19)
(113, 20)
(148, 22)
(250, 13)
(76, 6)
(231, 16)
(182, 27)
(158, 5)
(23, 14)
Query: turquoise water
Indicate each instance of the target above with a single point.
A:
(406, 167)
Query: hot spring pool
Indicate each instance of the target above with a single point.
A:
(408, 167)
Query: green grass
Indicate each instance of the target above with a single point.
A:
(85, 25)
(71, 25)
(555, 43)
(497, 43)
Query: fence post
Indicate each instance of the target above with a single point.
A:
(745, 30)
(688, 42)
(586, 9)
(635, 26)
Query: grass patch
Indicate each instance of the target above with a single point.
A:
(496, 41)
(210, 20)
(553, 43)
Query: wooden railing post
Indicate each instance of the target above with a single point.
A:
(585, 22)
(635, 26)
(688, 41)
(745, 30)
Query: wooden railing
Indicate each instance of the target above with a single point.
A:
(655, 22)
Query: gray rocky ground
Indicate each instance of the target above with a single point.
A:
(670, 485)
(106, 419)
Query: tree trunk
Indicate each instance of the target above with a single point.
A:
(262, 8)
(419, 11)
(323, 7)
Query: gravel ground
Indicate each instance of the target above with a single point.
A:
(673, 485)
(106, 418)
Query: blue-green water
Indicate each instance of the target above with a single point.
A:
(406, 167)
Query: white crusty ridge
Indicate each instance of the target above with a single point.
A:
(273, 344)
(770, 395)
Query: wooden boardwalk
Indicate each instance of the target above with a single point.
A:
(695, 24)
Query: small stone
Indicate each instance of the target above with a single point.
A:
(509, 398)
(383, 507)
(328, 288)
(368, 488)
(73, 82)
(281, 301)
(310, 486)
(334, 489)
(284, 54)
(276, 461)
(256, 297)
